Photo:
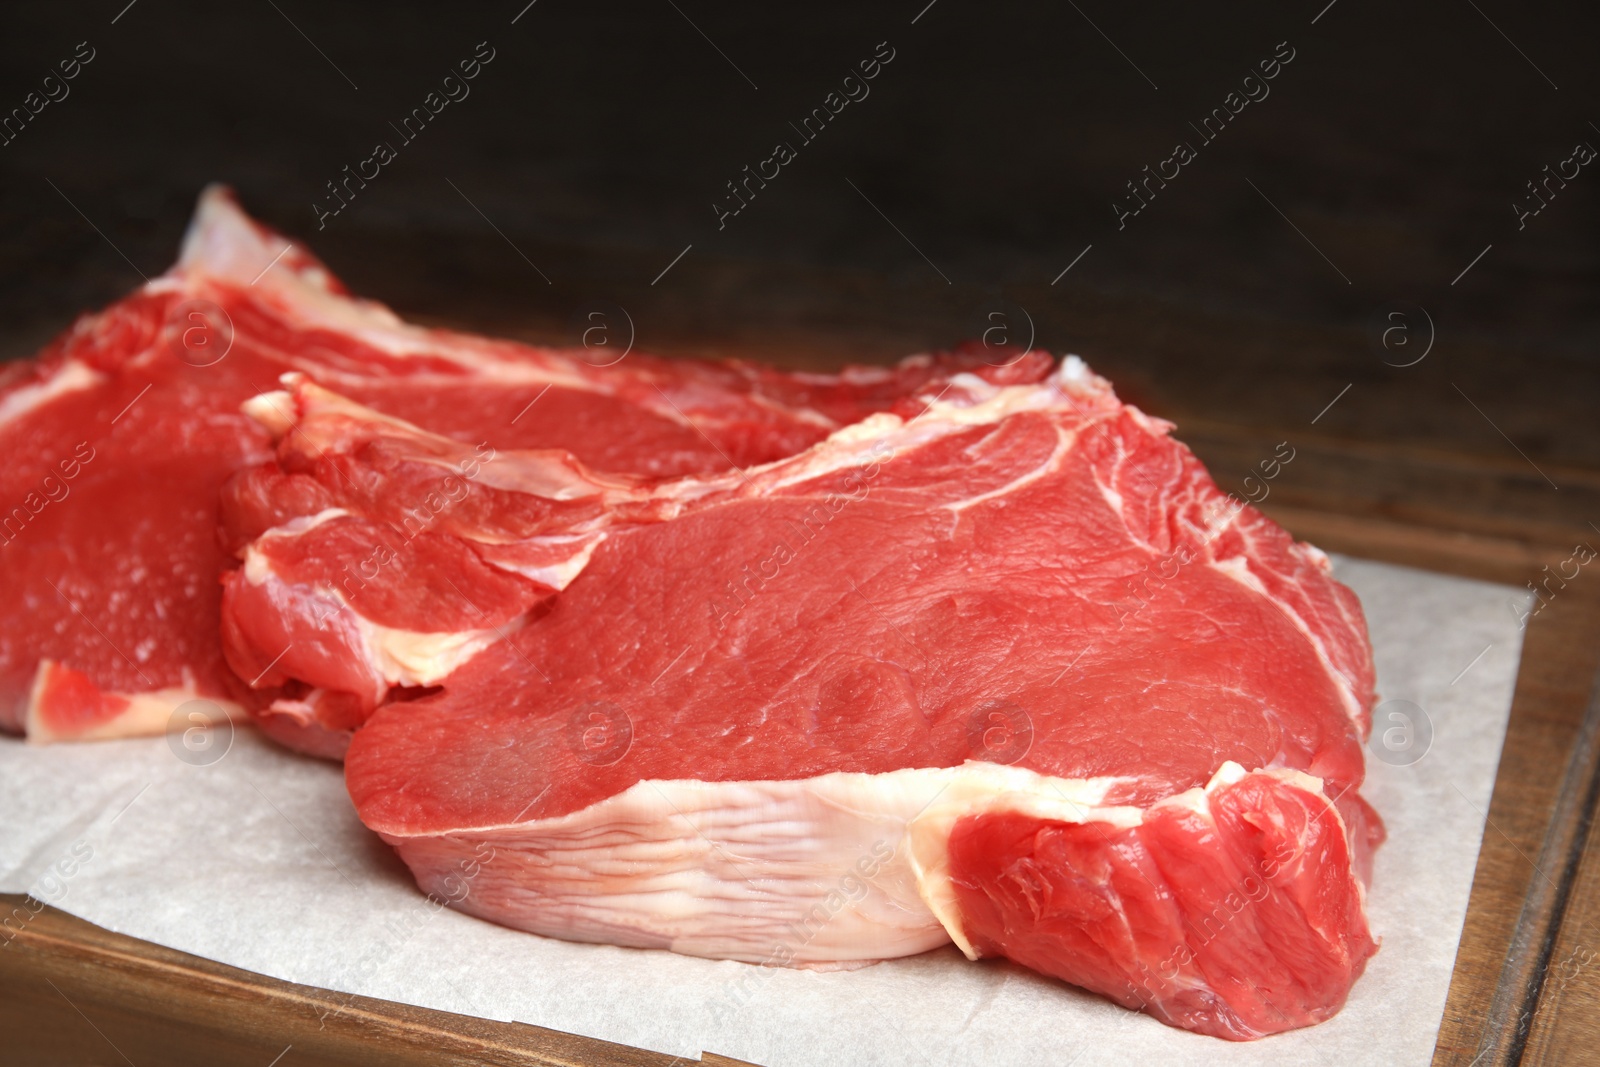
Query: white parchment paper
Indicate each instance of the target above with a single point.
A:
(257, 860)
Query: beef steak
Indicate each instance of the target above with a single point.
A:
(893, 691)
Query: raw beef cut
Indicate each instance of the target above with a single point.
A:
(117, 441)
(791, 669)
(1000, 666)
(122, 433)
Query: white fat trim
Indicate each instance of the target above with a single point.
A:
(70, 377)
(1238, 568)
(871, 429)
(148, 714)
(411, 657)
(1228, 774)
(921, 785)
(538, 474)
(223, 243)
(970, 400)
(1074, 369)
(274, 410)
(1198, 799)
(911, 810)
(556, 575)
(303, 523)
(1113, 499)
(257, 568)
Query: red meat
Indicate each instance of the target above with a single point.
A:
(123, 432)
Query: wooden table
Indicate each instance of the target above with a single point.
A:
(1413, 465)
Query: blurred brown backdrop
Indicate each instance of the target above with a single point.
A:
(1388, 155)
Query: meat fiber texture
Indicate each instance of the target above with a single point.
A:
(122, 433)
(1000, 666)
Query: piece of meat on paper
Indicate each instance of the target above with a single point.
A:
(911, 685)
(792, 669)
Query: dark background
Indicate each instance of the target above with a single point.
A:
(597, 140)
